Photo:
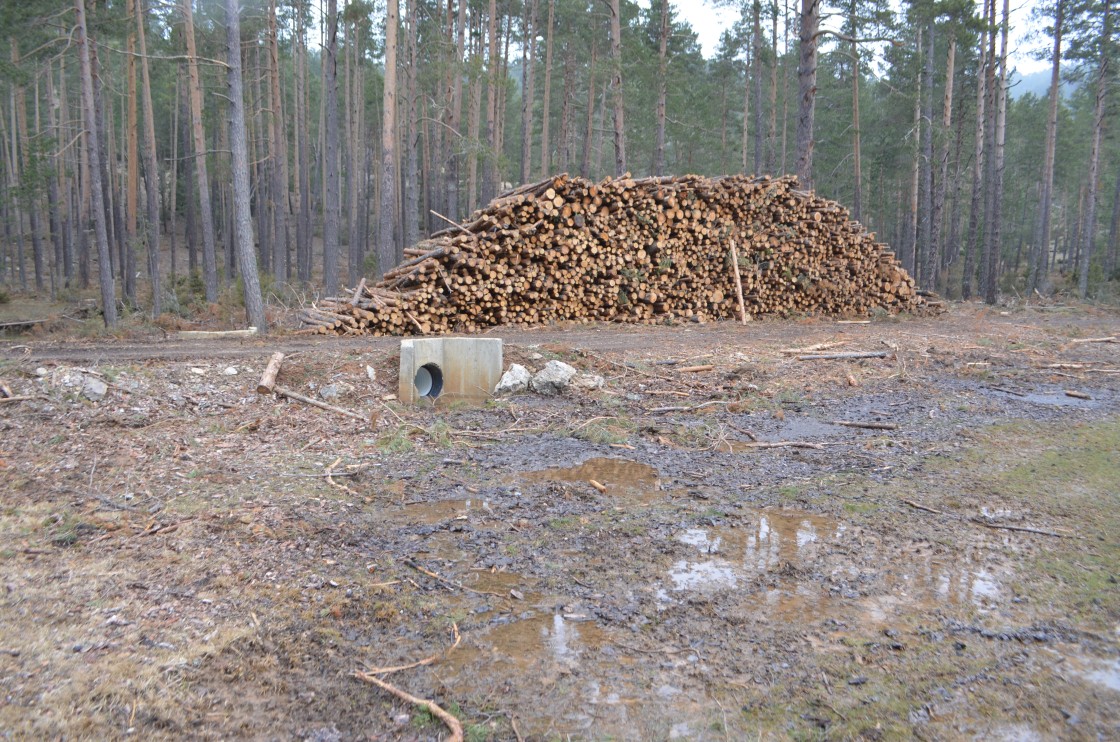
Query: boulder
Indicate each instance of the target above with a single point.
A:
(513, 381)
(588, 382)
(553, 379)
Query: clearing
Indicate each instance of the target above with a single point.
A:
(183, 557)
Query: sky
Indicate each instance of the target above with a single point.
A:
(710, 22)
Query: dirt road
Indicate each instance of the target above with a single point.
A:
(186, 558)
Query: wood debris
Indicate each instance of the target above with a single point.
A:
(630, 250)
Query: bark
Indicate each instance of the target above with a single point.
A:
(1041, 247)
(662, 90)
(528, 64)
(991, 288)
(1089, 230)
(412, 174)
(807, 89)
(151, 165)
(173, 198)
(278, 143)
(455, 119)
(772, 127)
(239, 155)
(474, 124)
(566, 108)
(332, 200)
(616, 87)
(910, 246)
(490, 164)
(304, 249)
(935, 257)
(108, 294)
(132, 163)
(585, 162)
(55, 207)
(990, 145)
(386, 248)
(33, 215)
(925, 254)
(546, 102)
(756, 35)
(202, 177)
(974, 214)
(857, 150)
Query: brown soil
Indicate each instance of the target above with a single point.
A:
(177, 563)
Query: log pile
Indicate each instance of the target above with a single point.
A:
(630, 250)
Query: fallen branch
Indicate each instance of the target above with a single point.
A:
(869, 426)
(1024, 529)
(1110, 339)
(450, 721)
(738, 283)
(1076, 394)
(426, 661)
(780, 444)
(281, 391)
(700, 406)
(814, 348)
(919, 506)
(19, 398)
(840, 356)
(695, 369)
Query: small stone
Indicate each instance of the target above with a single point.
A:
(514, 381)
(588, 382)
(553, 379)
(198, 371)
(93, 388)
(41, 371)
(332, 391)
(230, 371)
(371, 373)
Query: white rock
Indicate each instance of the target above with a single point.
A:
(514, 381)
(93, 388)
(371, 373)
(230, 371)
(553, 379)
(588, 382)
(198, 371)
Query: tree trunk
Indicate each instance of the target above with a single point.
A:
(566, 108)
(132, 163)
(33, 215)
(108, 293)
(304, 245)
(490, 163)
(412, 143)
(991, 288)
(239, 156)
(924, 256)
(332, 200)
(386, 248)
(585, 161)
(910, 245)
(935, 258)
(546, 102)
(756, 34)
(772, 127)
(807, 89)
(278, 144)
(975, 210)
(1089, 230)
(1042, 234)
(528, 65)
(151, 165)
(662, 90)
(455, 118)
(616, 87)
(857, 150)
(202, 177)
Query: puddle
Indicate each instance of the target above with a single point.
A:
(440, 510)
(730, 558)
(1057, 400)
(1099, 672)
(625, 479)
(440, 545)
(734, 554)
(804, 429)
(497, 582)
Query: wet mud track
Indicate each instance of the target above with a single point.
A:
(625, 564)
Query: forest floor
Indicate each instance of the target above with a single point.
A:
(177, 562)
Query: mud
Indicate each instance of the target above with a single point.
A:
(180, 564)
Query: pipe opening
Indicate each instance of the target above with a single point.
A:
(429, 380)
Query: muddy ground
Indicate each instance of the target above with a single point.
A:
(177, 563)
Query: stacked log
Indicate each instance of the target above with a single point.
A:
(630, 250)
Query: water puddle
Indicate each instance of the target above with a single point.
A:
(624, 479)
(1057, 400)
(780, 546)
(729, 555)
(1099, 672)
(440, 510)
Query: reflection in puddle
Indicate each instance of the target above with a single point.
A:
(730, 558)
(636, 482)
(1103, 673)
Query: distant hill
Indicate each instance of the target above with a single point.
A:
(1037, 83)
